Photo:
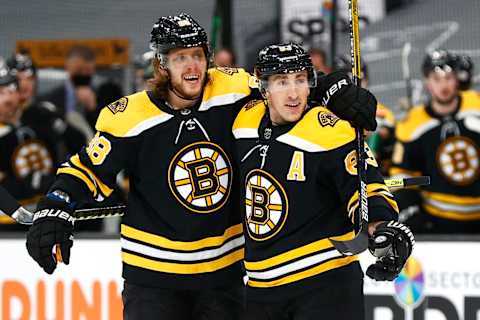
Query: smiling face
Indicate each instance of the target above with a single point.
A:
(287, 96)
(187, 68)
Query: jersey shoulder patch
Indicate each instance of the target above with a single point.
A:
(415, 124)
(131, 115)
(225, 86)
(319, 130)
(248, 120)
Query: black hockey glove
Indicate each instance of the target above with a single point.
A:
(392, 244)
(52, 226)
(347, 101)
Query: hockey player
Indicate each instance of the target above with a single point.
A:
(60, 137)
(441, 139)
(26, 165)
(381, 141)
(182, 241)
(299, 186)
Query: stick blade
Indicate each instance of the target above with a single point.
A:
(417, 181)
(354, 246)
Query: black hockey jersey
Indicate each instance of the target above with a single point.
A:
(60, 137)
(26, 166)
(446, 149)
(182, 228)
(299, 187)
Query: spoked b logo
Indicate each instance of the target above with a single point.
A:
(200, 177)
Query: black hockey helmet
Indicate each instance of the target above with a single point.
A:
(343, 63)
(283, 58)
(438, 60)
(464, 65)
(179, 31)
(21, 62)
(7, 79)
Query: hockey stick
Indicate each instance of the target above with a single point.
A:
(10, 206)
(360, 242)
(407, 48)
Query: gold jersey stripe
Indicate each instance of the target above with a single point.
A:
(180, 268)
(106, 190)
(4, 219)
(295, 253)
(449, 198)
(451, 215)
(181, 245)
(80, 175)
(373, 189)
(329, 265)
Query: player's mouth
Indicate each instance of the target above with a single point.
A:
(192, 78)
(291, 105)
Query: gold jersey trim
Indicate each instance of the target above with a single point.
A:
(324, 137)
(373, 190)
(138, 114)
(451, 215)
(297, 264)
(224, 88)
(105, 190)
(287, 256)
(248, 120)
(163, 242)
(179, 268)
(335, 263)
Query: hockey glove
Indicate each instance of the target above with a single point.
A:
(392, 244)
(52, 226)
(347, 101)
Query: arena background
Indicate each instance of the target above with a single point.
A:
(443, 278)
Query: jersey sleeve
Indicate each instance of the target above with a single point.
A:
(92, 172)
(342, 173)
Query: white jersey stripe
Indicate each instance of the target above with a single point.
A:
(182, 256)
(221, 101)
(464, 209)
(294, 266)
(147, 124)
(241, 133)
(300, 143)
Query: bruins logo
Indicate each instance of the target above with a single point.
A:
(266, 205)
(200, 177)
(118, 106)
(30, 156)
(458, 160)
(327, 119)
(250, 104)
(227, 70)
